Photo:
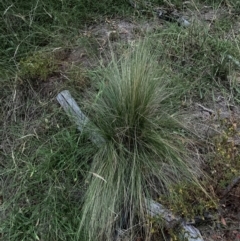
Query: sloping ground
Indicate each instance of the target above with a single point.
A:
(210, 119)
(215, 120)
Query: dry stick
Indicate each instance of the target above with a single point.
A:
(205, 109)
(153, 208)
(72, 109)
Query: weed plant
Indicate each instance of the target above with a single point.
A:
(144, 153)
(39, 66)
(224, 164)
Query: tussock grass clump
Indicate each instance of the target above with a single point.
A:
(144, 153)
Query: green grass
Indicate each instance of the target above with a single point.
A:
(55, 184)
(42, 188)
(26, 27)
(198, 58)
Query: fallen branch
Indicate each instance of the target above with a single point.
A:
(74, 112)
(189, 232)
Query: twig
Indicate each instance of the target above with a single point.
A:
(205, 109)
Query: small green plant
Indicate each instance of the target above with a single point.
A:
(225, 163)
(189, 201)
(38, 66)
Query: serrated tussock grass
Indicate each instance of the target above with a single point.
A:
(144, 154)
